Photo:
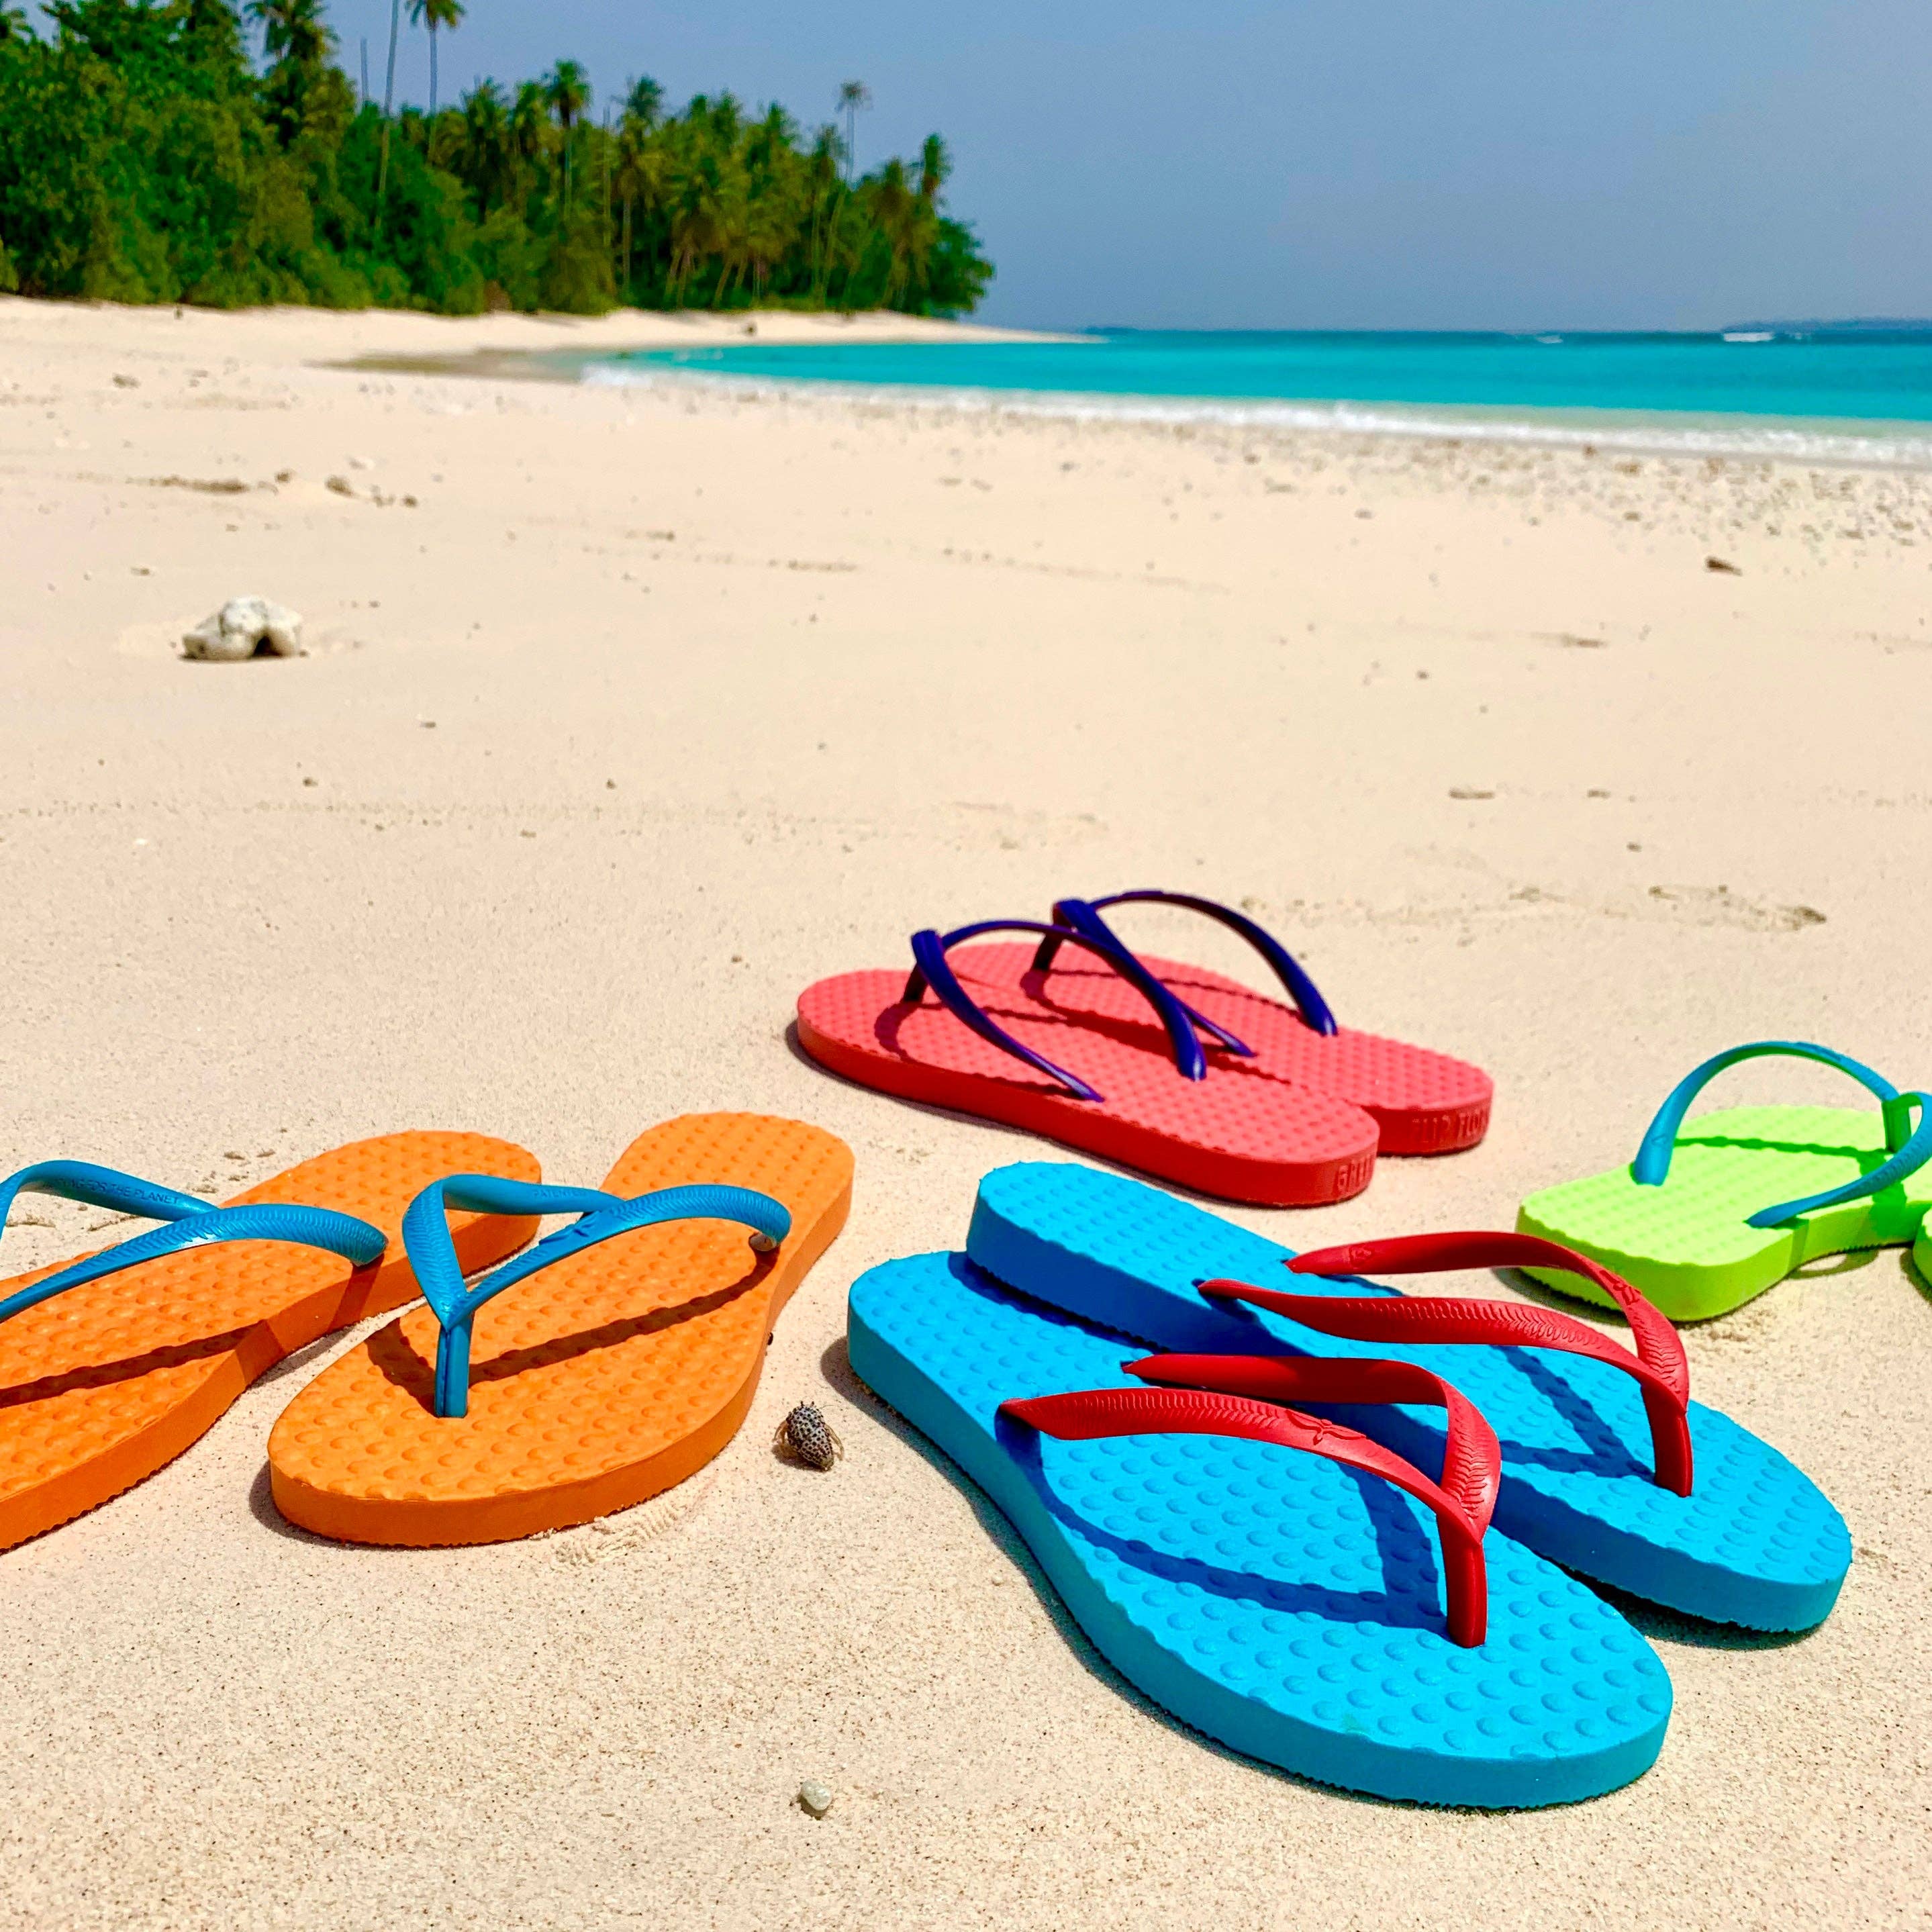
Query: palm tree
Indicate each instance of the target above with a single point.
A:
(727, 116)
(566, 92)
(935, 164)
(852, 95)
(642, 168)
(698, 221)
(433, 14)
(13, 27)
(486, 142)
(529, 130)
(292, 30)
(774, 135)
(298, 39)
(389, 100)
(823, 188)
(644, 106)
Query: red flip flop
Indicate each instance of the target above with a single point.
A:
(1124, 1077)
(1423, 1102)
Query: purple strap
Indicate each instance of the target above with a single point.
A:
(1083, 916)
(932, 968)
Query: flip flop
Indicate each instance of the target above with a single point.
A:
(588, 1374)
(1608, 1467)
(1133, 1085)
(112, 1365)
(1335, 1612)
(1711, 1214)
(1423, 1102)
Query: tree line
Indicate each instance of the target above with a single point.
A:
(144, 157)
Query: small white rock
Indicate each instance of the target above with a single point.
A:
(814, 1799)
(361, 463)
(240, 627)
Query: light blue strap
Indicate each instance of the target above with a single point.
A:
(196, 1223)
(100, 1187)
(1910, 1148)
(432, 1254)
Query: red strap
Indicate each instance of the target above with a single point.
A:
(1472, 1464)
(1659, 1366)
(1089, 1414)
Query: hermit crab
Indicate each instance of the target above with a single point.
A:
(808, 1438)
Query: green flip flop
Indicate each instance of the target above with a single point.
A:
(1687, 1221)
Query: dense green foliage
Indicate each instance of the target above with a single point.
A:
(142, 158)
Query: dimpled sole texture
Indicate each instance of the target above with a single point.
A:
(1287, 1606)
(1423, 1102)
(597, 1383)
(1687, 1244)
(1242, 1133)
(1755, 1542)
(103, 1384)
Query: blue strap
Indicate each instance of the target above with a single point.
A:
(439, 1274)
(1910, 1146)
(196, 1223)
(1084, 916)
(933, 969)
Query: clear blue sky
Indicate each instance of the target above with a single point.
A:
(1348, 163)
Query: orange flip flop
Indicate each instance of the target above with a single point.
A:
(112, 1365)
(613, 1359)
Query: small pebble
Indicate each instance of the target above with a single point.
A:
(814, 1799)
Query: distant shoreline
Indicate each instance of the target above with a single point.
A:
(1860, 402)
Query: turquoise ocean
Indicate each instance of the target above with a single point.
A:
(1864, 395)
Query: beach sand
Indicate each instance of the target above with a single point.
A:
(630, 711)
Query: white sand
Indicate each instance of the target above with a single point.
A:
(658, 705)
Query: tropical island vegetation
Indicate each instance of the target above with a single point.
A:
(145, 156)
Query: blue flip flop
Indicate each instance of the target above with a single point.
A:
(1335, 1612)
(1608, 1469)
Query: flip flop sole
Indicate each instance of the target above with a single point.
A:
(595, 1384)
(101, 1386)
(1241, 1133)
(1687, 1243)
(1423, 1102)
(1274, 1601)
(1756, 1543)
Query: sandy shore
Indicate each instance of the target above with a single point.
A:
(631, 711)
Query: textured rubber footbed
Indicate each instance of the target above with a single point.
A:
(1286, 1606)
(1423, 1102)
(101, 1385)
(594, 1383)
(1687, 1244)
(1243, 1132)
(1755, 1542)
